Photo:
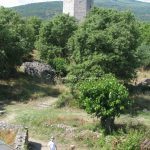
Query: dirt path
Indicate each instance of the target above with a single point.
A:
(42, 145)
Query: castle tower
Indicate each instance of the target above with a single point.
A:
(77, 8)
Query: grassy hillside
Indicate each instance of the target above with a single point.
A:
(48, 9)
(43, 10)
(140, 9)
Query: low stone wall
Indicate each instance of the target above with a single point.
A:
(21, 135)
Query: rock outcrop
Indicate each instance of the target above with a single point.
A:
(146, 82)
(39, 70)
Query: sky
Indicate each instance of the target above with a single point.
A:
(11, 3)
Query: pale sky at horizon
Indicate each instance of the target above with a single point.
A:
(11, 3)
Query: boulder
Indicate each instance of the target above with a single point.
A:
(146, 82)
(39, 70)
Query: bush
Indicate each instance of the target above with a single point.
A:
(132, 141)
(124, 141)
(60, 65)
(65, 99)
(106, 98)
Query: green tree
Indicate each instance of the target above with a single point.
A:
(145, 33)
(106, 98)
(35, 24)
(15, 37)
(53, 38)
(144, 55)
(144, 48)
(106, 42)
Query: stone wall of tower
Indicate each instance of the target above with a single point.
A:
(68, 7)
(77, 8)
(80, 9)
(89, 4)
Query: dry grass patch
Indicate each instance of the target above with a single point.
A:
(8, 136)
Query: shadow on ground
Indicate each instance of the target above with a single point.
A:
(24, 88)
(35, 146)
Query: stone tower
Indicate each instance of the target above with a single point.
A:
(77, 8)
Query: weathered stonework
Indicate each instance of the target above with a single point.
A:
(77, 8)
(21, 135)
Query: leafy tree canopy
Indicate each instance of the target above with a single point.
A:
(53, 38)
(144, 48)
(35, 24)
(15, 37)
(145, 33)
(105, 42)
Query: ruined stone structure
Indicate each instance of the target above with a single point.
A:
(21, 139)
(77, 8)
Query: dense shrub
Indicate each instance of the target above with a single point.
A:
(106, 98)
(65, 99)
(124, 141)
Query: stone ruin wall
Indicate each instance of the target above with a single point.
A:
(21, 139)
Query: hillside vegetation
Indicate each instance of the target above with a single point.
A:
(46, 10)
(43, 10)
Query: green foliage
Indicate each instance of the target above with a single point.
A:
(35, 24)
(65, 99)
(53, 38)
(145, 33)
(44, 10)
(106, 42)
(106, 98)
(124, 141)
(15, 38)
(133, 140)
(144, 48)
(140, 9)
(144, 55)
(60, 64)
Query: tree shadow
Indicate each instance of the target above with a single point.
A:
(138, 89)
(125, 127)
(34, 146)
(24, 88)
(140, 96)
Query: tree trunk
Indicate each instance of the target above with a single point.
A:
(108, 124)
